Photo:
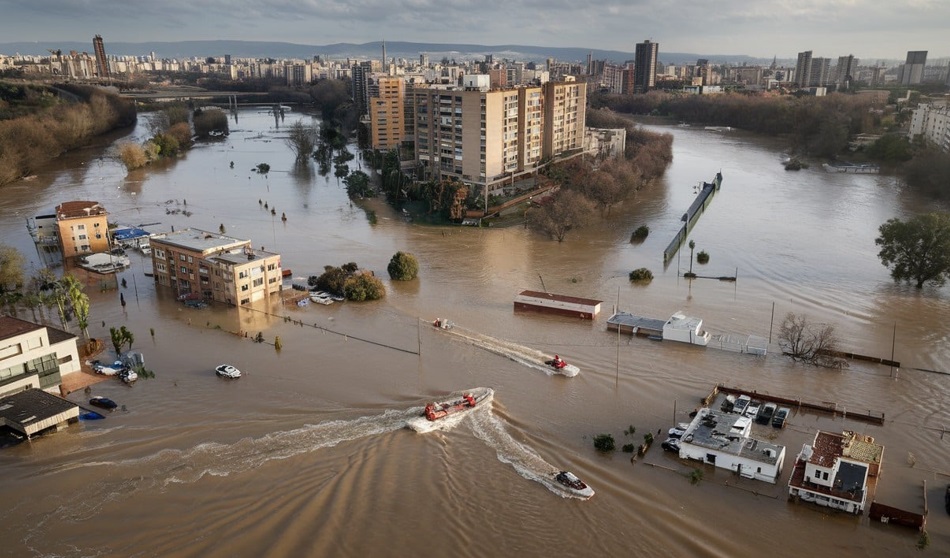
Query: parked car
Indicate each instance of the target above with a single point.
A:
(678, 430)
(753, 409)
(741, 404)
(764, 416)
(778, 419)
(671, 444)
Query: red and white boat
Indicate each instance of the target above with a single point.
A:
(574, 485)
(466, 402)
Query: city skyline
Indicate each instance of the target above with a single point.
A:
(868, 29)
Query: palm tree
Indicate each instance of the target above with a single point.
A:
(692, 244)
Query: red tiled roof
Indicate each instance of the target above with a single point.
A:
(72, 209)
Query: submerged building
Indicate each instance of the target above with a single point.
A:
(34, 356)
(835, 470)
(723, 439)
(202, 264)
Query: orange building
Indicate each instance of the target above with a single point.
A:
(83, 228)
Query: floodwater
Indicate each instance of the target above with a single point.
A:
(308, 455)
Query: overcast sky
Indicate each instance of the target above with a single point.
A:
(869, 29)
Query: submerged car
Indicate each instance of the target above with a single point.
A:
(779, 418)
(671, 444)
(764, 416)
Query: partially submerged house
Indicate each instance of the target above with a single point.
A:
(835, 470)
(722, 439)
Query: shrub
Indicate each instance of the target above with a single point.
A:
(695, 476)
(403, 267)
(640, 234)
(604, 442)
(702, 257)
(364, 286)
(642, 275)
(210, 120)
(133, 155)
(332, 280)
(628, 448)
(182, 134)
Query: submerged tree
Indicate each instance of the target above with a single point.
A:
(563, 212)
(917, 250)
(403, 267)
(809, 343)
(302, 140)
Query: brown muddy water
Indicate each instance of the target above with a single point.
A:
(308, 454)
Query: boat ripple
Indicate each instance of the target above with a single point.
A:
(526, 356)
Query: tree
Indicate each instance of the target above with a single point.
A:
(917, 250)
(565, 210)
(604, 442)
(120, 337)
(358, 186)
(403, 267)
(809, 343)
(78, 300)
(302, 140)
(11, 268)
(362, 287)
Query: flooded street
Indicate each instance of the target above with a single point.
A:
(308, 453)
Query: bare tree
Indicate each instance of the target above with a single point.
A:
(809, 343)
(302, 140)
(564, 211)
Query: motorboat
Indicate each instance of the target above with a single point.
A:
(128, 376)
(468, 401)
(103, 402)
(321, 297)
(443, 323)
(575, 485)
(108, 370)
(227, 371)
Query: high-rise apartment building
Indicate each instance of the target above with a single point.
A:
(486, 137)
(820, 70)
(644, 70)
(386, 113)
(360, 74)
(102, 63)
(847, 69)
(913, 71)
(803, 69)
(82, 228)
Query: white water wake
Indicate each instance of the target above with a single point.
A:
(526, 356)
(525, 461)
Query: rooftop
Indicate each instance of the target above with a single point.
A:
(561, 298)
(713, 430)
(11, 327)
(198, 240)
(681, 321)
(74, 209)
(239, 257)
(26, 408)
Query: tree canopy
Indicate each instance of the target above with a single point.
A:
(403, 267)
(11, 268)
(917, 250)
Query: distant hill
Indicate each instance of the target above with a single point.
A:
(395, 49)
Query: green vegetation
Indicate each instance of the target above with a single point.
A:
(640, 234)
(628, 448)
(362, 287)
(604, 443)
(702, 257)
(11, 269)
(641, 275)
(121, 337)
(358, 185)
(403, 267)
(695, 476)
(929, 172)
(917, 250)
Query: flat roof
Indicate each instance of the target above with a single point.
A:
(73, 209)
(630, 320)
(241, 256)
(681, 321)
(198, 240)
(562, 298)
(712, 431)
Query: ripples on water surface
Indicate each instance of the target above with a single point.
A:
(306, 455)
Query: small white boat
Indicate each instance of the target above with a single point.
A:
(573, 484)
(320, 299)
(227, 371)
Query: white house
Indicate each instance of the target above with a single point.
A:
(835, 469)
(34, 356)
(722, 439)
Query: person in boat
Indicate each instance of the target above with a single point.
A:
(437, 322)
(557, 362)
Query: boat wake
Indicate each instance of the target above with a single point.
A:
(525, 461)
(526, 356)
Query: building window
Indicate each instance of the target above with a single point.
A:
(259, 282)
(184, 270)
(244, 287)
(181, 257)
